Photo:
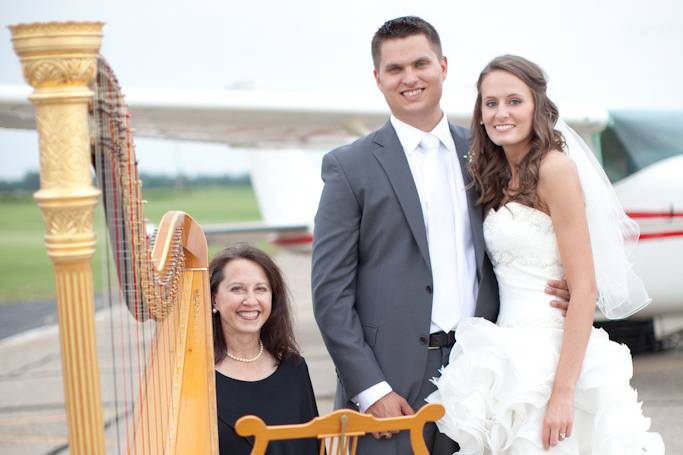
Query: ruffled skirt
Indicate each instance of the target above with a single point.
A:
(498, 382)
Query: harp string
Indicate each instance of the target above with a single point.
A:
(140, 284)
(119, 408)
(122, 367)
(109, 289)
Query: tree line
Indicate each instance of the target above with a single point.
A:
(31, 182)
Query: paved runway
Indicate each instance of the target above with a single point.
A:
(32, 419)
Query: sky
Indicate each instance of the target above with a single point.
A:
(611, 54)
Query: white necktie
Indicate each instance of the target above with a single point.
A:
(440, 233)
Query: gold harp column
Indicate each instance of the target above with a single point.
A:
(59, 61)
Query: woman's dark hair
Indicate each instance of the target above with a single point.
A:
(277, 334)
(488, 164)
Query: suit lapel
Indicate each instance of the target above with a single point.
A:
(475, 212)
(389, 152)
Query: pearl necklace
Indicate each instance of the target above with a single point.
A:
(242, 359)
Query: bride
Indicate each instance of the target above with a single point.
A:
(537, 381)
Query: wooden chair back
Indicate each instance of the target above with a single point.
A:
(339, 431)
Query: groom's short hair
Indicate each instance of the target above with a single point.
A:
(403, 27)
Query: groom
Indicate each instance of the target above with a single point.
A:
(398, 251)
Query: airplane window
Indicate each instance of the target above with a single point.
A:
(635, 140)
(615, 158)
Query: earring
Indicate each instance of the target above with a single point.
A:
(214, 311)
(481, 122)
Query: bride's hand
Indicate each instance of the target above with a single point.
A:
(558, 420)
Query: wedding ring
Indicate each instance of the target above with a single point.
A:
(562, 436)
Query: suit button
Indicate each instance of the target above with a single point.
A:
(423, 340)
(428, 289)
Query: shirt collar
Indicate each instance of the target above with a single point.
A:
(410, 137)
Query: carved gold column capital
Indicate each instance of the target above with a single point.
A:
(58, 53)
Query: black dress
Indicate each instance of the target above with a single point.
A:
(284, 397)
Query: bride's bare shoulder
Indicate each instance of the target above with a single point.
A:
(557, 176)
(556, 164)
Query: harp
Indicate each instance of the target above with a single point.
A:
(163, 281)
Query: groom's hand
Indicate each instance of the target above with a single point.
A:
(390, 405)
(561, 290)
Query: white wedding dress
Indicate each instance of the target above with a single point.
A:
(499, 378)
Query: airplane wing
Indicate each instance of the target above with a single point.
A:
(286, 235)
(261, 119)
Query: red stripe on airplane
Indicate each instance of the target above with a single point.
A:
(655, 214)
(291, 241)
(660, 235)
(308, 238)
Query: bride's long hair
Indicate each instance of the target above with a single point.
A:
(488, 165)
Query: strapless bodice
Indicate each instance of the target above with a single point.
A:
(523, 249)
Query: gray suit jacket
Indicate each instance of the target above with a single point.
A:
(372, 283)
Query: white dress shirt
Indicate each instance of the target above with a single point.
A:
(462, 304)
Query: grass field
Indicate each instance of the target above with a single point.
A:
(25, 269)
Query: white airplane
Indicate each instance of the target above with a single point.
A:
(642, 152)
